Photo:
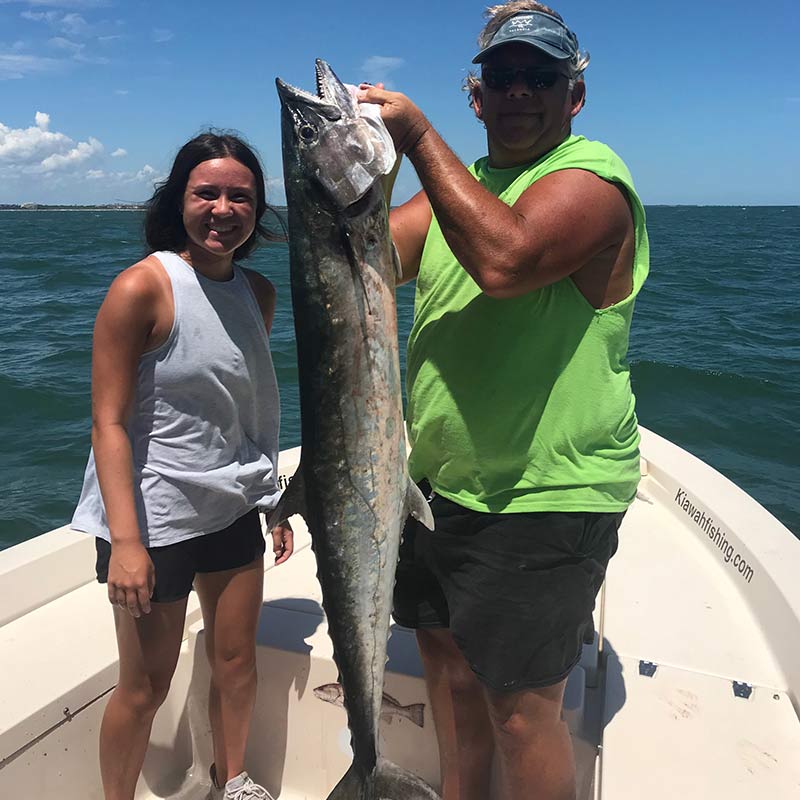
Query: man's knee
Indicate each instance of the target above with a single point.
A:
(527, 713)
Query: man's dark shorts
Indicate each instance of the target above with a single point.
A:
(239, 544)
(517, 591)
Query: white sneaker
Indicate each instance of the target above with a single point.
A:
(242, 787)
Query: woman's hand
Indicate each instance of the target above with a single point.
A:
(282, 541)
(131, 578)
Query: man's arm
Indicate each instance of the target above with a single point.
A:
(409, 224)
(559, 225)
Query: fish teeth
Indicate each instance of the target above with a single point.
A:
(303, 92)
(321, 93)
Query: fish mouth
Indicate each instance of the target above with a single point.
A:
(332, 100)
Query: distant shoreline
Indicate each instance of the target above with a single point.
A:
(43, 207)
(143, 207)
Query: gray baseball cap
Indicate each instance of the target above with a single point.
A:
(543, 31)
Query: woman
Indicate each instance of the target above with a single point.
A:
(185, 420)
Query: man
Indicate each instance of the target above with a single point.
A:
(520, 410)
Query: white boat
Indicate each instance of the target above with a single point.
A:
(691, 689)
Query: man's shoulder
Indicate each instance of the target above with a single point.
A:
(576, 147)
(578, 152)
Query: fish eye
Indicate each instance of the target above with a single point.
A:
(307, 133)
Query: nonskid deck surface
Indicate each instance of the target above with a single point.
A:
(687, 697)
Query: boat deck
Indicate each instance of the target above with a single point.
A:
(691, 689)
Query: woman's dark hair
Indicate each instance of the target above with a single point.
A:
(163, 223)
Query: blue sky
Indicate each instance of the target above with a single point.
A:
(96, 96)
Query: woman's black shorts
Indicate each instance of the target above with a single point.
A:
(517, 591)
(176, 564)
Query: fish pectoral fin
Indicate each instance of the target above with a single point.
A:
(418, 506)
(293, 501)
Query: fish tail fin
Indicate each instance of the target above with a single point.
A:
(387, 782)
(418, 506)
(352, 786)
(416, 713)
(395, 783)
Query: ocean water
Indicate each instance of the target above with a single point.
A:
(715, 350)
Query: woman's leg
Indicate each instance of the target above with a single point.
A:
(231, 603)
(148, 652)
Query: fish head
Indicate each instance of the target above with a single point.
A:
(329, 143)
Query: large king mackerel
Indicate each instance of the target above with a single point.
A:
(352, 485)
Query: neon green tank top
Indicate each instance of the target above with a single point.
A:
(524, 403)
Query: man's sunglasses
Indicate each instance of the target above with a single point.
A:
(536, 78)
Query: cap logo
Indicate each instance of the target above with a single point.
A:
(520, 24)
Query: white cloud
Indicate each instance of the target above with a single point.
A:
(74, 25)
(14, 66)
(70, 24)
(26, 148)
(161, 35)
(39, 150)
(41, 16)
(44, 165)
(148, 173)
(76, 50)
(121, 92)
(376, 69)
(75, 36)
(146, 176)
(83, 151)
(73, 48)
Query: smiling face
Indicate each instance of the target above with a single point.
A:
(219, 211)
(523, 123)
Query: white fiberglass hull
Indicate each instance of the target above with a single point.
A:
(691, 690)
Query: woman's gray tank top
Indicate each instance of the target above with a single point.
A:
(204, 430)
